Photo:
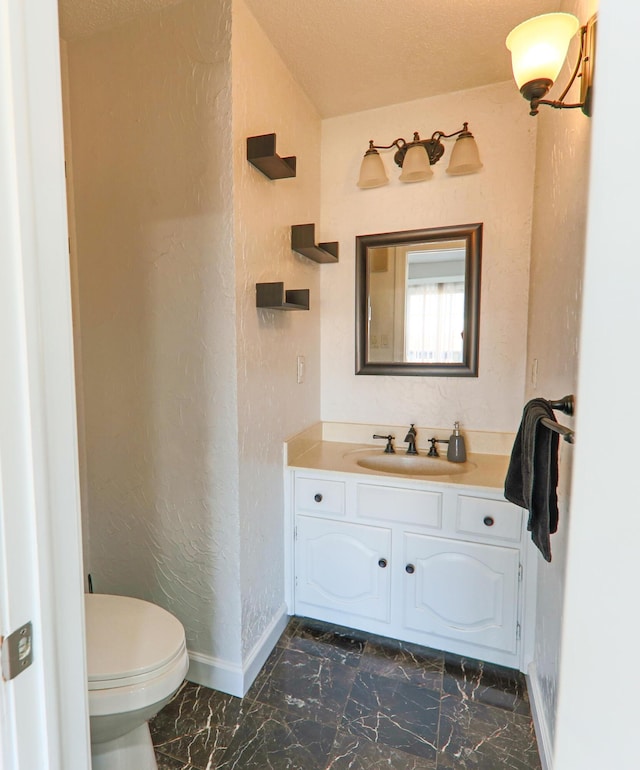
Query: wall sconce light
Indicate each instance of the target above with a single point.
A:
(415, 158)
(538, 49)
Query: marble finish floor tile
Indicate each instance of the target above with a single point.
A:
(325, 640)
(198, 725)
(329, 698)
(351, 752)
(308, 686)
(169, 763)
(482, 682)
(265, 672)
(403, 661)
(474, 735)
(397, 714)
(270, 740)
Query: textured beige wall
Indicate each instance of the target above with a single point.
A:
(190, 390)
(557, 256)
(271, 404)
(500, 196)
(150, 129)
(75, 299)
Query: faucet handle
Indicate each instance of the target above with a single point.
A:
(389, 448)
(433, 452)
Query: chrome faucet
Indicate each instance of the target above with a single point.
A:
(411, 438)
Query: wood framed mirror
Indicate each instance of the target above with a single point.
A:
(418, 302)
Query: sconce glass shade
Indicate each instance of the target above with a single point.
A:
(465, 158)
(372, 173)
(416, 166)
(539, 47)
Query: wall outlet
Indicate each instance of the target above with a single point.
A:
(534, 373)
(301, 369)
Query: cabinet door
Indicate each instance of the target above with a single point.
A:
(343, 567)
(460, 590)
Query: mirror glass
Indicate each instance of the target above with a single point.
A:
(418, 302)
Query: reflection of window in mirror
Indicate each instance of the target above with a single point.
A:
(434, 312)
(416, 302)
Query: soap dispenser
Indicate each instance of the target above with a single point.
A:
(456, 452)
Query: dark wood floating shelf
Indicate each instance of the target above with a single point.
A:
(274, 296)
(303, 241)
(261, 153)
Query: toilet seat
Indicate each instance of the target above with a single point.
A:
(130, 642)
(139, 679)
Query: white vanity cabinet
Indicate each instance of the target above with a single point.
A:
(343, 566)
(461, 590)
(444, 565)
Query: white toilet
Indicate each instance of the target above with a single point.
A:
(136, 660)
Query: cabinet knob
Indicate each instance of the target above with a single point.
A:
(488, 521)
(318, 498)
(410, 569)
(382, 563)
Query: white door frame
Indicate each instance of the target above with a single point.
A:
(43, 712)
(597, 718)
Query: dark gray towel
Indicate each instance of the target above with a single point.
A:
(532, 477)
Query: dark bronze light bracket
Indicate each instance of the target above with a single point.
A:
(433, 146)
(535, 91)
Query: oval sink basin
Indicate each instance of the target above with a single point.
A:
(413, 465)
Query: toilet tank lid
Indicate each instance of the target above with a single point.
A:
(127, 637)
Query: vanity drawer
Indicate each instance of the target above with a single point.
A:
(320, 496)
(407, 506)
(489, 518)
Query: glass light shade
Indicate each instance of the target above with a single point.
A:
(539, 46)
(465, 158)
(372, 173)
(416, 166)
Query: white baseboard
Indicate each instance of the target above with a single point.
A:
(540, 720)
(215, 673)
(233, 678)
(255, 660)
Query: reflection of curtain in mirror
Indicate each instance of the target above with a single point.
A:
(435, 322)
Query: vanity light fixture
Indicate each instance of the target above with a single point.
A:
(415, 158)
(538, 50)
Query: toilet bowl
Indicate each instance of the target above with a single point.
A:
(136, 660)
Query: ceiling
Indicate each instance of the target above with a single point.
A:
(352, 55)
